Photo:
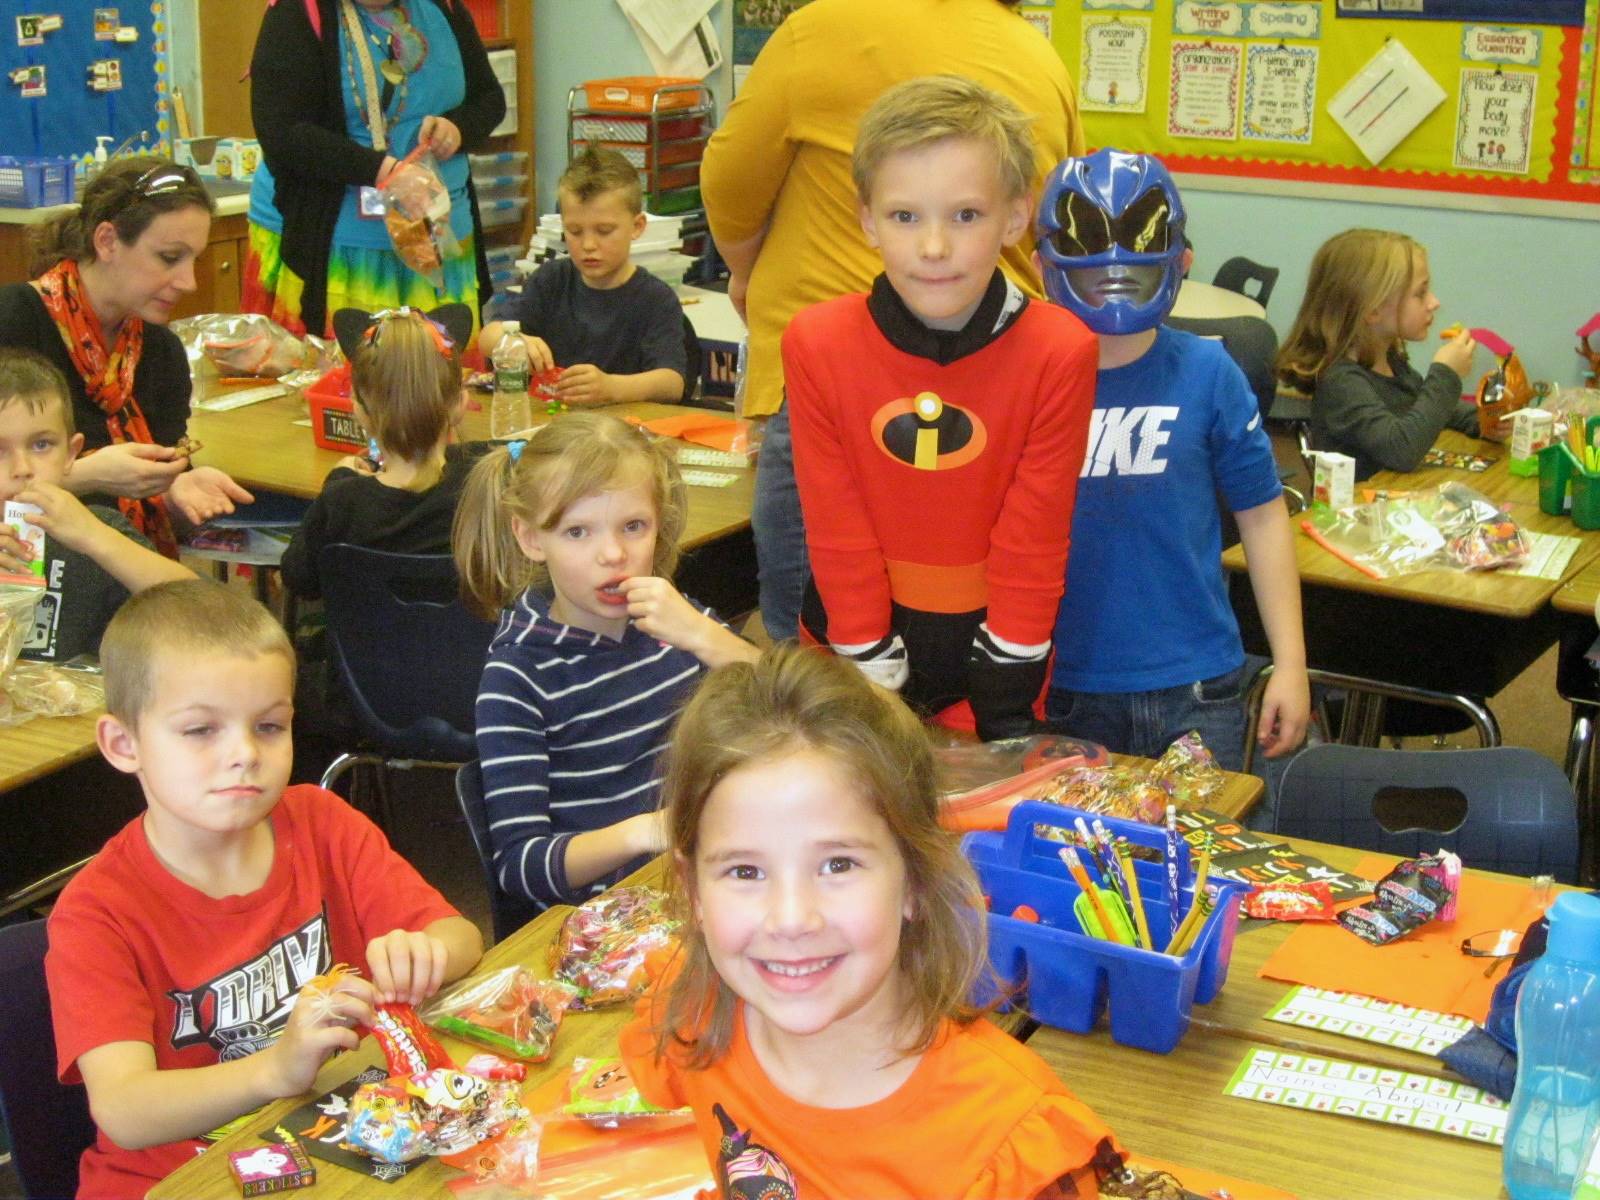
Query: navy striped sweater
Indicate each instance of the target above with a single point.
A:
(570, 727)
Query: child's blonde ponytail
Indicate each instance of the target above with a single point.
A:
(492, 566)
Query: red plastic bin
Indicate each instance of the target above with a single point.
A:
(333, 412)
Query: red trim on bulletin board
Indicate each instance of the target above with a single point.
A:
(1559, 187)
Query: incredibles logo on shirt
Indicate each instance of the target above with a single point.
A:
(926, 433)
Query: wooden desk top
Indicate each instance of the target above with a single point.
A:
(261, 448)
(42, 745)
(1171, 1106)
(1491, 592)
(1580, 591)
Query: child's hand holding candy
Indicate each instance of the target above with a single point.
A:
(407, 966)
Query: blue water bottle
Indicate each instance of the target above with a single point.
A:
(1558, 1056)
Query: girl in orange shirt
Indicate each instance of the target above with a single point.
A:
(818, 1022)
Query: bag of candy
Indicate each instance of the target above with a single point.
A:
(417, 213)
(507, 1010)
(604, 945)
(602, 1090)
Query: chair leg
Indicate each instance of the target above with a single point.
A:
(1254, 696)
(346, 762)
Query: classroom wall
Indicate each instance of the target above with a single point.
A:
(1531, 279)
(591, 40)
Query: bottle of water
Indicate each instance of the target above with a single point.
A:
(510, 412)
(1558, 1057)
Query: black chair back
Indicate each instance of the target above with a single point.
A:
(49, 1123)
(1505, 808)
(508, 913)
(407, 650)
(1240, 271)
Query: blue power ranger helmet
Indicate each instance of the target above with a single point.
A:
(1109, 210)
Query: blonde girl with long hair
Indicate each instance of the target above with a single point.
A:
(570, 539)
(1368, 294)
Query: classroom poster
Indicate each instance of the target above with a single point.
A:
(1494, 120)
(1385, 100)
(1205, 90)
(1280, 91)
(1114, 64)
(1040, 19)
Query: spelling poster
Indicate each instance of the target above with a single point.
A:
(1280, 92)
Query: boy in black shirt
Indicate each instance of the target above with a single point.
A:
(615, 329)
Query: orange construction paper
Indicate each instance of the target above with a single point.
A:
(1424, 969)
(703, 429)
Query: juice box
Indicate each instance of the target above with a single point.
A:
(1333, 483)
(16, 516)
(1532, 429)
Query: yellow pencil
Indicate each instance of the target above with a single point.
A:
(1124, 855)
(1194, 917)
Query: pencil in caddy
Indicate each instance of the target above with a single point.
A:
(1066, 978)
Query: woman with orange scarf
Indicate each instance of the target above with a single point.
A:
(108, 276)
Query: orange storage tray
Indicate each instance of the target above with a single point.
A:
(636, 93)
(333, 413)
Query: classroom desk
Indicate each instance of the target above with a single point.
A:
(261, 448)
(1450, 631)
(582, 1034)
(1171, 1106)
(43, 745)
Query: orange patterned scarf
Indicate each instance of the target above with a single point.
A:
(108, 379)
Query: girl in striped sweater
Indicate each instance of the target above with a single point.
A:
(571, 539)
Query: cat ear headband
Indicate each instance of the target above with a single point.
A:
(450, 324)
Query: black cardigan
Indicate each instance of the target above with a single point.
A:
(297, 104)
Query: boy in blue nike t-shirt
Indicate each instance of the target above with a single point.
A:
(1146, 645)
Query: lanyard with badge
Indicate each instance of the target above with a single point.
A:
(369, 199)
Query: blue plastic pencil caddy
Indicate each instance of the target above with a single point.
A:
(1070, 978)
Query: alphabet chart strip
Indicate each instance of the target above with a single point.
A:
(1370, 1019)
(1331, 1085)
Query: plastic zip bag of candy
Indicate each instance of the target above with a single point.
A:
(604, 945)
(416, 206)
(509, 1010)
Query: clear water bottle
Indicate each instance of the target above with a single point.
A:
(1558, 1056)
(510, 412)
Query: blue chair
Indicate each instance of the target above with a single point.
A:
(1502, 809)
(409, 655)
(48, 1123)
(508, 913)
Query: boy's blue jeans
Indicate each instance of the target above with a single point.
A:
(1146, 723)
(780, 532)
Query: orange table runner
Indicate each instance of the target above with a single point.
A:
(1426, 968)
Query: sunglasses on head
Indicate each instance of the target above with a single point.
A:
(1144, 227)
(164, 179)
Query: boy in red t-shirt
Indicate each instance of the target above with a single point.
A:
(177, 954)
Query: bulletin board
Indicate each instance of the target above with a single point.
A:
(88, 69)
(1304, 91)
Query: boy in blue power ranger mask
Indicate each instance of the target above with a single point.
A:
(1146, 645)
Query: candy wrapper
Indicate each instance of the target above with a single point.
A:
(604, 945)
(1189, 772)
(602, 1090)
(1445, 869)
(417, 213)
(1119, 791)
(407, 1046)
(442, 1111)
(507, 1010)
(385, 1124)
(1311, 901)
(1407, 898)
